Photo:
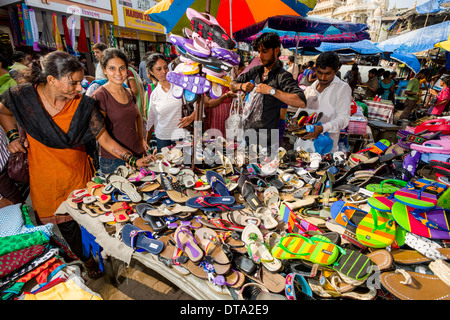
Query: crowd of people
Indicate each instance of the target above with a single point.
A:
(73, 130)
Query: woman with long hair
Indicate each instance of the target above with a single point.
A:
(118, 105)
(61, 125)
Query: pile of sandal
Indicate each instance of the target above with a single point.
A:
(367, 225)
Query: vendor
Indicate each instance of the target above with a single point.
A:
(412, 93)
(274, 82)
(372, 84)
(331, 96)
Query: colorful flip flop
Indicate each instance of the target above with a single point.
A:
(314, 249)
(377, 229)
(432, 224)
(294, 223)
(416, 198)
(354, 265)
(386, 186)
(346, 215)
(193, 83)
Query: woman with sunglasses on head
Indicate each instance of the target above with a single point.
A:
(118, 105)
(165, 111)
(60, 126)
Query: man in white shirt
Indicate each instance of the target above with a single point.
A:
(331, 96)
(98, 49)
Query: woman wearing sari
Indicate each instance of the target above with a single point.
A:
(60, 125)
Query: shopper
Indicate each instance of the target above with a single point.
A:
(274, 82)
(442, 98)
(332, 97)
(293, 67)
(98, 49)
(412, 93)
(59, 123)
(165, 117)
(387, 85)
(118, 104)
(353, 77)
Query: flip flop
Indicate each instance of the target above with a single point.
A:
(259, 253)
(96, 190)
(273, 281)
(187, 243)
(297, 286)
(172, 187)
(217, 183)
(251, 233)
(213, 203)
(193, 83)
(314, 249)
(377, 229)
(408, 285)
(214, 254)
(419, 199)
(387, 186)
(156, 223)
(140, 240)
(346, 215)
(433, 146)
(121, 211)
(266, 217)
(240, 218)
(226, 55)
(248, 192)
(354, 265)
(432, 224)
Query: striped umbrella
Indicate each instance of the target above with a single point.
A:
(232, 15)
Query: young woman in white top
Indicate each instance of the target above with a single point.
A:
(165, 115)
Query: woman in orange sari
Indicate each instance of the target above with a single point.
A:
(60, 124)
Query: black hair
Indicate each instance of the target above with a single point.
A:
(151, 61)
(355, 67)
(269, 40)
(111, 53)
(310, 64)
(386, 74)
(291, 58)
(373, 71)
(425, 72)
(57, 64)
(380, 71)
(446, 79)
(18, 56)
(100, 46)
(328, 59)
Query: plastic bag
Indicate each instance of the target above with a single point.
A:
(253, 109)
(234, 124)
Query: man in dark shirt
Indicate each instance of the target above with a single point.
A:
(274, 82)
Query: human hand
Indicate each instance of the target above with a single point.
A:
(313, 135)
(263, 88)
(248, 86)
(144, 161)
(15, 146)
(185, 121)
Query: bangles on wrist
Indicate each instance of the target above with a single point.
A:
(12, 135)
(130, 159)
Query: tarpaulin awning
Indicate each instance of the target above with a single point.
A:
(417, 40)
(310, 24)
(408, 59)
(433, 6)
(361, 47)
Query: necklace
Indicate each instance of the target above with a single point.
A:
(51, 104)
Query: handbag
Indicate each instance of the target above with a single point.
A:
(18, 164)
(234, 124)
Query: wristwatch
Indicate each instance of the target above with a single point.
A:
(272, 91)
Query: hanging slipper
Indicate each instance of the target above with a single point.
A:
(140, 240)
(187, 243)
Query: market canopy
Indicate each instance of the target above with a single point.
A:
(408, 59)
(361, 47)
(418, 40)
(433, 6)
(310, 26)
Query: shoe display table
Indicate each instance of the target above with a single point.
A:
(113, 247)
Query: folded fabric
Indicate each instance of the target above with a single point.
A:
(12, 222)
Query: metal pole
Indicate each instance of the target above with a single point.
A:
(428, 14)
(231, 18)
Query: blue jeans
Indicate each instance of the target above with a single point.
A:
(109, 165)
(164, 143)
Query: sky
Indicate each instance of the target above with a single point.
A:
(405, 3)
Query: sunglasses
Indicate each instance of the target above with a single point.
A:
(156, 56)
